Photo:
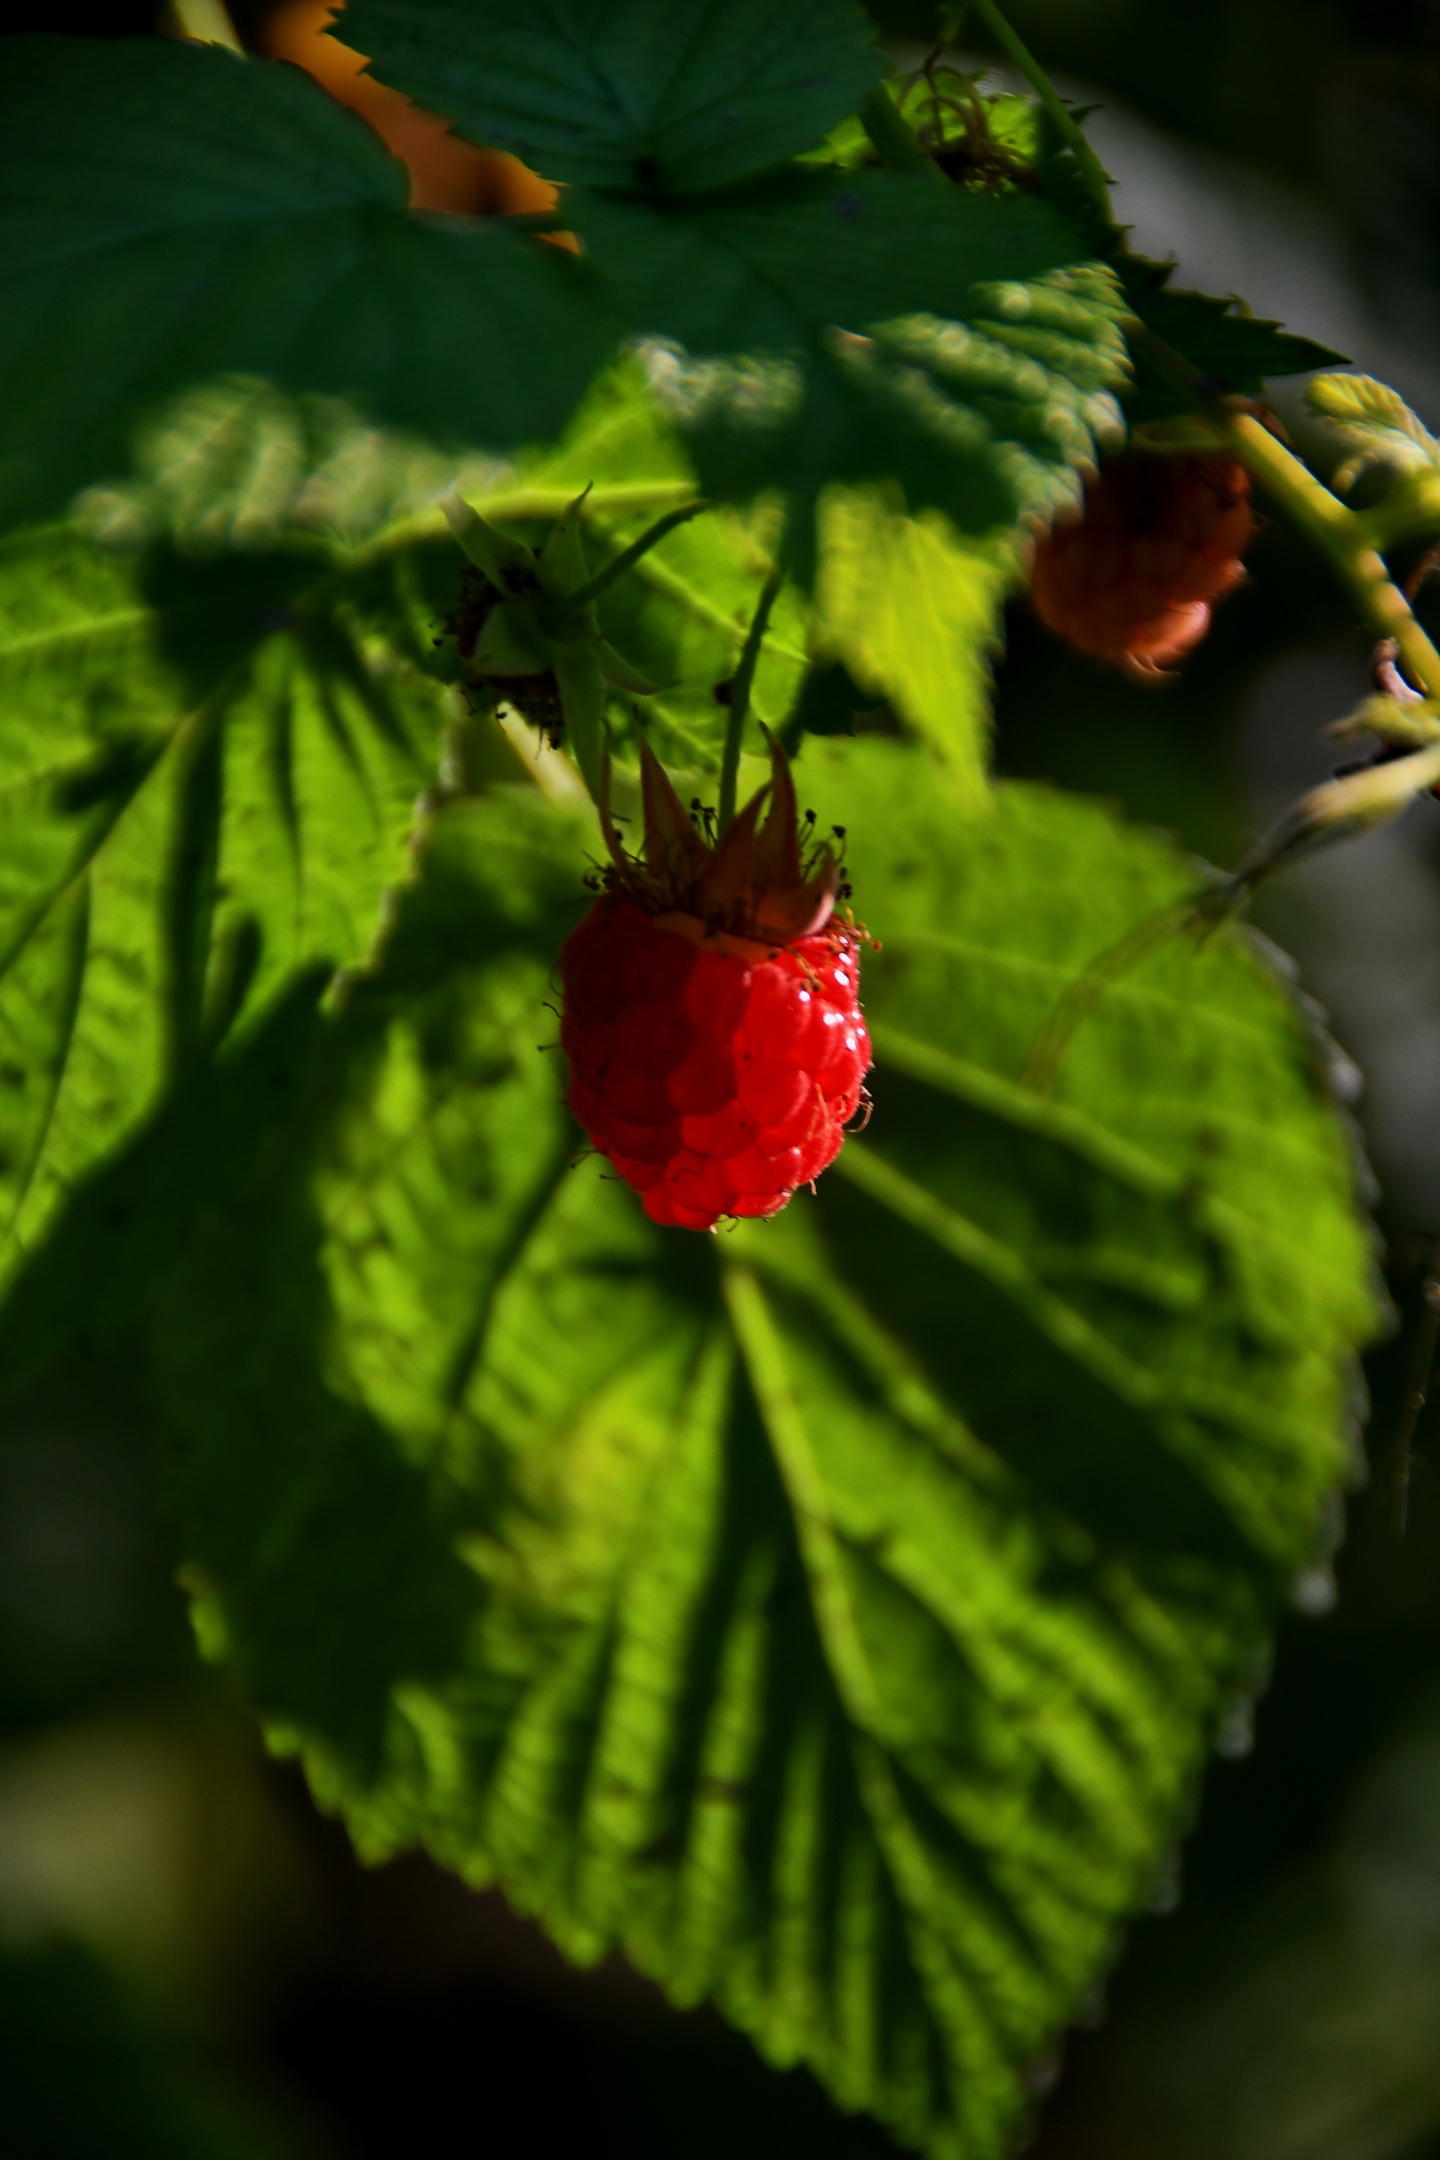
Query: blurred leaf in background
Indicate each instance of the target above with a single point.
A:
(1085, 1236)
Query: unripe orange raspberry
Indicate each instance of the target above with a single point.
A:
(1134, 578)
(711, 1019)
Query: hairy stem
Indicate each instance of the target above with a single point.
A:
(741, 686)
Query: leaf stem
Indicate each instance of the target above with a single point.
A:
(1070, 130)
(629, 556)
(741, 685)
(1345, 537)
(891, 134)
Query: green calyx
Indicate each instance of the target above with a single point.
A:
(536, 640)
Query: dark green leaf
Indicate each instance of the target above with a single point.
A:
(1229, 346)
(770, 269)
(171, 212)
(847, 1602)
(959, 343)
(671, 95)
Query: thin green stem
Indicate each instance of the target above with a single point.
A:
(205, 22)
(741, 685)
(1069, 128)
(900, 148)
(629, 556)
(1342, 537)
(1345, 537)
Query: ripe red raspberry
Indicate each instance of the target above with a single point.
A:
(1133, 579)
(712, 1022)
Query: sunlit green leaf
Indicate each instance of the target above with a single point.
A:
(912, 612)
(906, 605)
(871, 324)
(211, 774)
(682, 615)
(846, 1602)
(677, 95)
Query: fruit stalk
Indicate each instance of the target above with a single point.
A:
(741, 686)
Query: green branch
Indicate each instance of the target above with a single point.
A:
(1345, 537)
(1068, 127)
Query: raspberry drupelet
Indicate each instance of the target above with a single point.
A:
(1134, 578)
(711, 1014)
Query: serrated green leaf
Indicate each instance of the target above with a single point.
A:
(912, 612)
(681, 616)
(1221, 338)
(211, 776)
(172, 212)
(851, 1598)
(879, 325)
(1376, 427)
(905, 604)
(674, 95)
(766, 268)
(239, 466)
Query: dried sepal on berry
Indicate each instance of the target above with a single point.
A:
(1133, 580)
(711, 1008)
(753, 883)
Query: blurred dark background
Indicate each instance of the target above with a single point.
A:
(192, 1962)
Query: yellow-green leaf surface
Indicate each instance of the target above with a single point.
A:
(907, 604)
(683, 612)
(211, 771)
(833, 1614)
(912, 611)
